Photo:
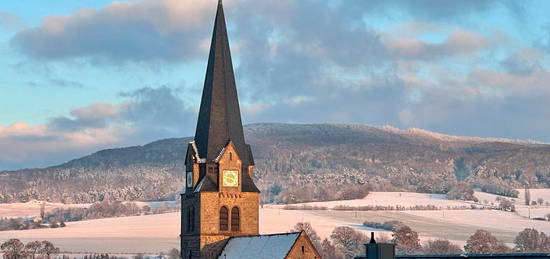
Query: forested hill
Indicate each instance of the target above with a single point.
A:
(327, 156)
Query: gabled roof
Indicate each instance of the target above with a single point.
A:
(206, 184)
(219, 116)
(275, 246)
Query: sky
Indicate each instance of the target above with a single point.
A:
(79, 76)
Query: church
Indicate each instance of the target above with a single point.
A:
(220, 202)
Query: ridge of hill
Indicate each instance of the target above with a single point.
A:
(327, 156)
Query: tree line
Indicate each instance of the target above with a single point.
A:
(15, 249)
(98, 210)
(346, 242)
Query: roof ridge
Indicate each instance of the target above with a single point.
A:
(267, 235)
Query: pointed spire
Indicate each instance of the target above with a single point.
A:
(372, 241)
(219, 116)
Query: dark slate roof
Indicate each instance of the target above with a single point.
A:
(273, 246)
(219, 116)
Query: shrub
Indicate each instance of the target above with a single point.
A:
(441, 247)
(391, 225)
(462, 192)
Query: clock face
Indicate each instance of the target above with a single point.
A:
(189, 179)
(230, 178)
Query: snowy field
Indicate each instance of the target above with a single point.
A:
(31, 208)
(159, 233)
(406, 199)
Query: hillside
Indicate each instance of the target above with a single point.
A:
(295, 155)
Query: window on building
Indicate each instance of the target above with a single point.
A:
(224, 218)
(235, 219)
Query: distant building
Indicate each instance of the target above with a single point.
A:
(220, 202)
(387, 251)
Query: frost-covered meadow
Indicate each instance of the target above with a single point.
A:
(159, 233)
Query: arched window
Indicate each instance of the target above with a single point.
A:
(224, 218)
(235, 219)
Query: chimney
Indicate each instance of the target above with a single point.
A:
(379, 250)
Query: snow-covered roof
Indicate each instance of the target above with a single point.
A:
(196, 151)
(217, 159)
(199, 186)
(259, 247)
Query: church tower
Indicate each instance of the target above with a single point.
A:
(220, 199)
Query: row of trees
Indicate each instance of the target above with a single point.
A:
(15, 249)
(346, 242)
(320, 193)
(497, 189)
(93, 184)
(24, 224)
(104, 209)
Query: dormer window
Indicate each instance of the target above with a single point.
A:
(189, 179)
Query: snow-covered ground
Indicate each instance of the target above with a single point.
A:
(159, 233)
(31, 208)
(406, 199)
(535, 194)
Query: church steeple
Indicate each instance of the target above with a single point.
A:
(219, 117)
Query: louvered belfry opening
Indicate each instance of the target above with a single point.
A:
(190, 219)
(224, 219)
(235, 219)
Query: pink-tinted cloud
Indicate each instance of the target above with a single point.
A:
(167, 30)
(458, 43)
(23, 142)
(148, 114)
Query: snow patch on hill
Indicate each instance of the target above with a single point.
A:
(416, 132)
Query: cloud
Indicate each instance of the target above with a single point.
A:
(95, 116)
(524, 62)
(303, 61)
(158, 112)
(163, 30)
(9, 21)
(176, 30)
(21, 142)
(459, 43)
(147, 114)
(447, 10)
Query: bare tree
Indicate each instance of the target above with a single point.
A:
(406, 240)
(42, 210)
(348, 240)
(13, 249)
(441, 247)
(48, 249)
(483, 242)
(328, 250)
(311, 233)
(174, 254)
(527, 195)
(33, 248)
(530, 240)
